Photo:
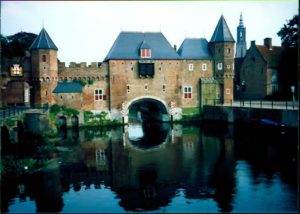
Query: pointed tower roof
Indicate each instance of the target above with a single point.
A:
(43, 41)
(241, 21)
(222, 32)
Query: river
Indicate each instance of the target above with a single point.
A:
(159, 168)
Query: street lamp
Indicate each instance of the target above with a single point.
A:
(293, 92)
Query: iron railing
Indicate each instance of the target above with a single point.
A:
(13, 111)
(263, 104)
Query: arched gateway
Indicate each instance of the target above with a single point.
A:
(146, 108)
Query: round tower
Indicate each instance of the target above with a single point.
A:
(44, 68)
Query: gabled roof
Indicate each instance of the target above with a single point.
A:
(127, 46)
(43, 41)
(68, 87)
(222, 32)
(194, 48)
(271, 56)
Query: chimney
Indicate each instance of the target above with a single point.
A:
(175, 47)
(252, 43)
(268, 43)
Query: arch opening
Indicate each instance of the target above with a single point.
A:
(148, 123)
(147, 110)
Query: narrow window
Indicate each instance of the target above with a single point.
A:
(164, 88)
(191, 67)
(46, 93)
(187, 92)
(146, 87)
(228, 50)
(98, 95)
(204, 67)
(44, 58)
(128, 88)
(220, 66)
(228, 66)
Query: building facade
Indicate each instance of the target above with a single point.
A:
(259, 70)
(141, 74)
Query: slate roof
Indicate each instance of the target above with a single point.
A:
(68, 87)
(194, 48)
(144, 45)
(272, 56)
(222, 32)
(127, 46)
(43, 41)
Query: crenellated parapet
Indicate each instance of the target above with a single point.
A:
(96, 71)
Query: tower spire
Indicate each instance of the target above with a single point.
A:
(241, 20)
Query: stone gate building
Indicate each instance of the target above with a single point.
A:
(142, 75)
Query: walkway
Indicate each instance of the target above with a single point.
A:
(263, 104)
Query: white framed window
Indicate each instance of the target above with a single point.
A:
(145, 53)
(204, 67)
(187, 92)
(98, 95)
(191, 67)
(227, 91)
(220, 66)
(228, 66)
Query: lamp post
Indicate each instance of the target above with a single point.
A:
(293, 92)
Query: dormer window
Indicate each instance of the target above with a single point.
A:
(145, 50)
(145, 53)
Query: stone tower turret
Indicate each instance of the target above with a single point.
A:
(222, 48)
(44, 68)
(241, 45)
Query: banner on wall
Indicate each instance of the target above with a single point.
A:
(16, 70)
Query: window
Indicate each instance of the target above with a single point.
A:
(204, 67)
(191, 67)
(228, 66)
(164, 88)
(228, 50)
(146, 87)
(220, 66)
(146, 69)
(44, 58)
(99, 95)
(187, 92)
(128, 88)
(227, 90)
(145, 53)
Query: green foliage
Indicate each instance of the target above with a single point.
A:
(191, 111)
(55, 108)
(17, 44)
(10, 122)
(289, 32)
(82, 82)
(87, 115)
(90, 82)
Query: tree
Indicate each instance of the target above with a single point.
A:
(289, 33)
(17, 44)
(288, 65)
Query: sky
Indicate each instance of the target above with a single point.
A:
(85, 31)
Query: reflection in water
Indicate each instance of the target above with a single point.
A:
(211, 168)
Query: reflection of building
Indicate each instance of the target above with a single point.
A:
(139, 65)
